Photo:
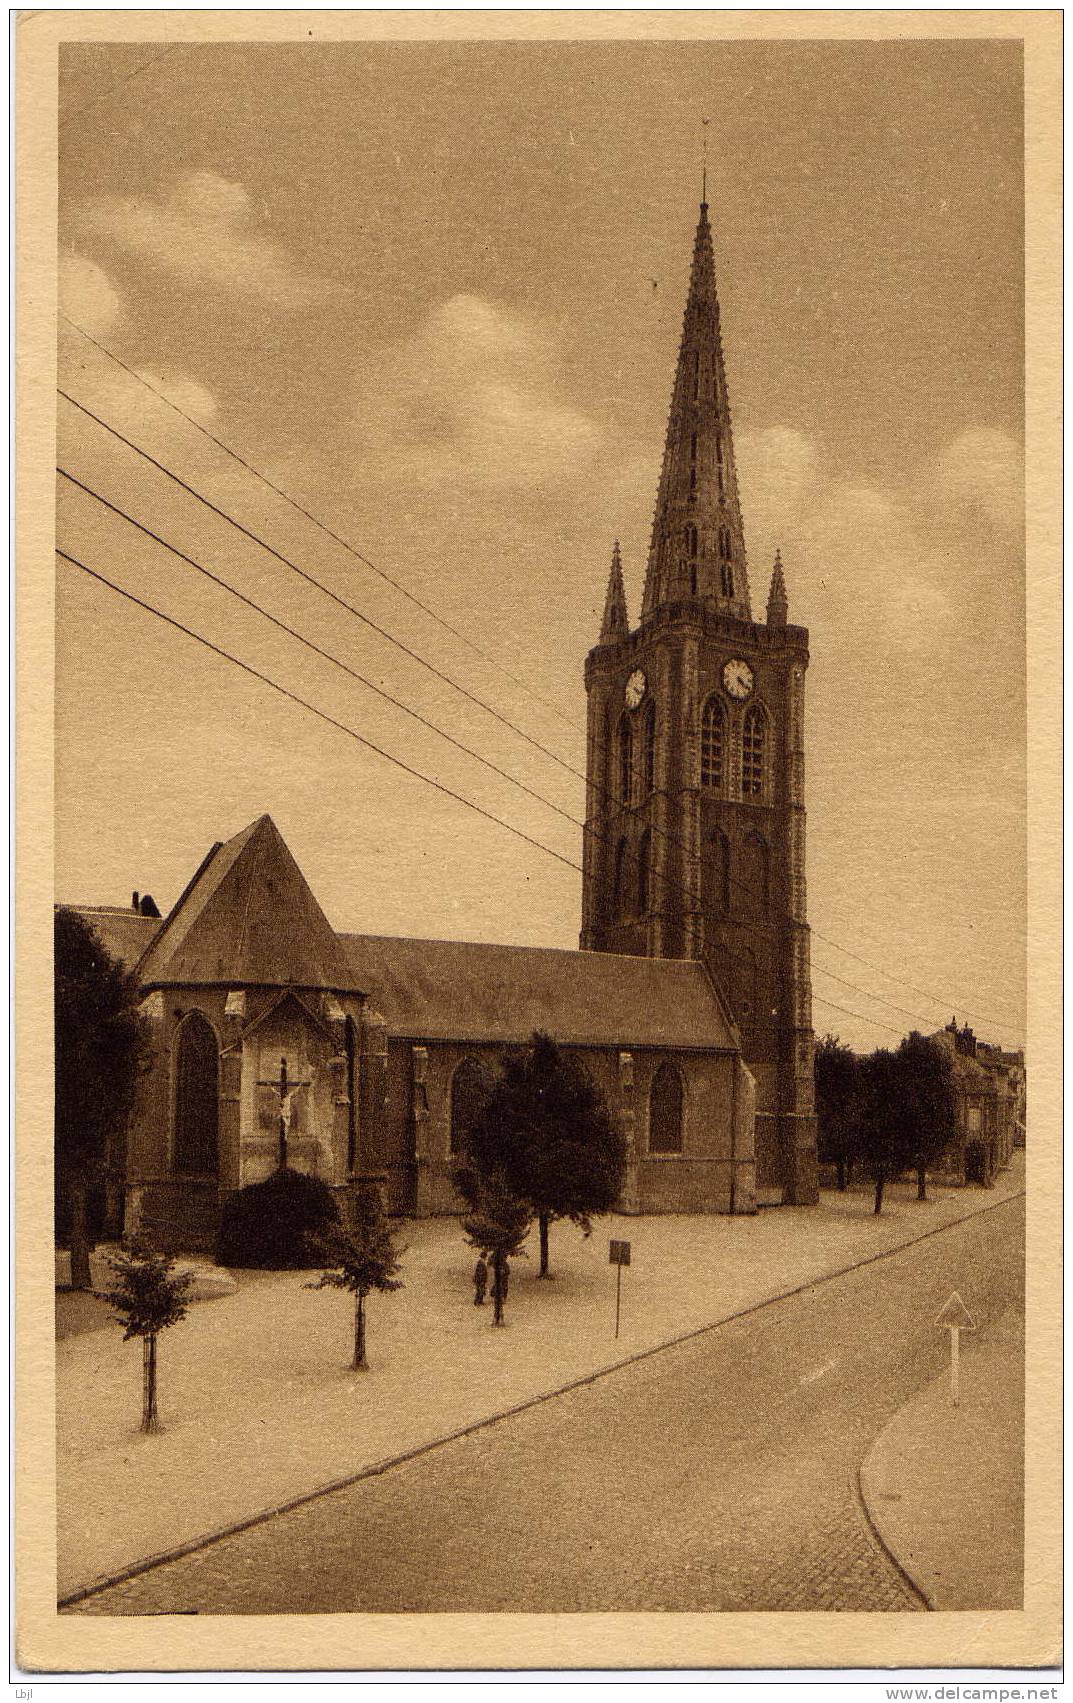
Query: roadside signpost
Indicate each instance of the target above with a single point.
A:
(955, 1317)
(620, 1256)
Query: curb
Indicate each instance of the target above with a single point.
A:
(148, 1563)
(857, 1479)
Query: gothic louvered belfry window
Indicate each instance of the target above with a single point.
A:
(625, 761)
(644, 874)
(197, 1108)
(665, 1111)
(650, 748)
(618, 895)
(726, 570)
(712, 746)
(753, 752)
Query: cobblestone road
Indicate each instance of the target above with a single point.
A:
(719, 1474)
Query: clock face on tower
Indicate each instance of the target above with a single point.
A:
(738, 678)
(636, 686)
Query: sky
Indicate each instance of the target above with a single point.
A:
(434, 293)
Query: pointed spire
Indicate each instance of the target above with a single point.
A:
(778, 605)
(616, 622)
(698, 543)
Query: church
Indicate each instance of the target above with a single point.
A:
(277, 1039)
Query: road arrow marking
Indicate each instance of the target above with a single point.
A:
(820, 1372)
(955, 1317)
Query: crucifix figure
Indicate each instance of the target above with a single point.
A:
(285, 1089)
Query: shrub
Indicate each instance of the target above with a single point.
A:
(274, 1225)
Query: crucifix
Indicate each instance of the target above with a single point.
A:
(285, 1089)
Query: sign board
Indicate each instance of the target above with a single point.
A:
(955, 1315)
(620, 1253)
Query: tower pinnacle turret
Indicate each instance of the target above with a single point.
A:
(778, 606)
(698, 542)
(616, 621)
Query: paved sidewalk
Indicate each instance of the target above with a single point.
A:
(259, 1404)
(944, 1485)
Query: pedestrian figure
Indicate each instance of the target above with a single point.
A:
(504, 1278)
(480, 1281)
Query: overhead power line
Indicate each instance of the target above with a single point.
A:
(304, 704)
(319, 649)
(341, 727)
(336, 537)
(327, 590)
(283, 626)
(504, 720)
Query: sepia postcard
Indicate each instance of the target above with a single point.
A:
(538, 1085)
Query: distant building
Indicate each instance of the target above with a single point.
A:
(990, 1088)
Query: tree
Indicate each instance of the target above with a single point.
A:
(497, 1226)
(360, 1256)
(546, 1127)
(838, 1095)
(884, 1132)
(927, 1103)
(102, 1046)
(148, 1297)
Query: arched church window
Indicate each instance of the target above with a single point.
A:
(693, 447)
(691, 540)
(351, 1037)
(712, 745)
(757, 872)
(650, 747)
(715, 874)
(644, 874)
(469, 1092)
(726, 568)
(625, 761)
(665, 1111)
(753, 752)
(197, 1106)
(696, 374)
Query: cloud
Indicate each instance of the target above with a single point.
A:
(473, 400)
(87, 295)
(186, 392)
(203, 233)
(982, 471)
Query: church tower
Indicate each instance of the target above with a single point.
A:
(695, 816)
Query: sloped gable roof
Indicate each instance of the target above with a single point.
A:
(465, 991)
(124, 934)
(248, 918)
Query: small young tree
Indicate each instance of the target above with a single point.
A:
(927, 1103)
(360, 1256)
(837, 1105)
(546, 1127)
(102, 1043)
(148, 1296)
(497, 1226)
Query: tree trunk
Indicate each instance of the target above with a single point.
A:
(360, 1362)
(922, 1181)
(880, 1180)
(497, 1292)
(150, 1417)
(81, 1245)
(544, 1222)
